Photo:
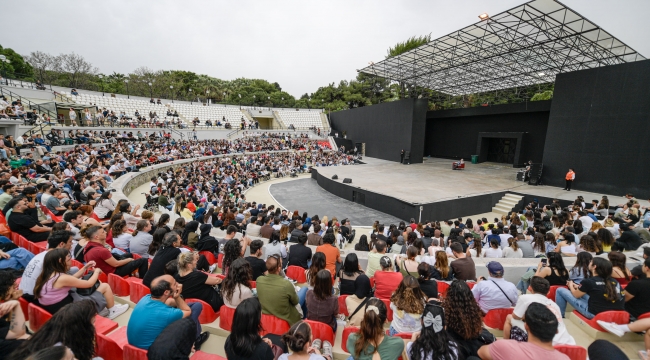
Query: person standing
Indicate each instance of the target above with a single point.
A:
(401, 157)
(570, 176)
(73, 117)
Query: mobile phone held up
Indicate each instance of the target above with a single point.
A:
(544, 262)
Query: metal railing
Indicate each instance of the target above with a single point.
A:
(26, 102)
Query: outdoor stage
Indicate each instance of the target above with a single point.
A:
(443, 193)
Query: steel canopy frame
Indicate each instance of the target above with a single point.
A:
(526, 45)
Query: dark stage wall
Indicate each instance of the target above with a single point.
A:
(599, 125)
(386, 128)
(454, 133)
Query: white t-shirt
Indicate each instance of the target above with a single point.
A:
(511, 253)
(493, 253)
(32, 271)
(562, 336)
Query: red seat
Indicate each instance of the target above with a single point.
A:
(22, 242)
(24, 305)
(372, 282)
(209, 256)
(220, 260)
(77, 263)
(111, 346)
(133, 353)
(103, 277)
(495, 318)
(574, 352)
(343, 309)
(253, 284)
(644, 316)
(14, 238)
(38, 247)
(470, 284)
(619, 317)
(322, 331)
(553, 290)
(200, 355)
(37, 317)
(273, 325)
(405, 336)
(389, 311)
(346, 334)
(207, 314)
(120, 285)
(4, 228)
(138, 290)
(94, 216)
(227, 314)
(104, 325)
(296, 273)
(54, 217)
(442, 288)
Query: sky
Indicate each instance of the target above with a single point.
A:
(302, 45)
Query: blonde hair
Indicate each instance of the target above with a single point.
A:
(185, 259)
(595, 226)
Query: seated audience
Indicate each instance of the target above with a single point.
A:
(197, 284)
(464, 318)
(407, 304)
(141, 239)
(637, 293)
(604, 292)
(321, 304)
(620, 272)
(277, 295)
(408, 266)
(154, 312)
(371, 341)
(629, 239)
(244, 341)
(355, 303)
(299, 254)
(463, 266)
(332, 253)
(386, 280)
(176, 341)
(374, 256)
(512, 251)
(567, 246)
(432, 342)
(57, 240)
(495, 292)
(169, 250)
(428, 285)
(580, 269)
(189, 236)
(441, 270)
(258, 265)
(348, 274)
(236, 286)
(301, 342)
(12, 319)
(494, 251)
(23, 224)
(95, 251)
(553, 270)
(121, 236)
(541, 325)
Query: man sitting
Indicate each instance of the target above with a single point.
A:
(153, 313)
(464, 268)
(258, 265)
(514, 326)
(541, 325)
(374, 257)
(53, 203)
(496, 292)
(23, 224)
(458, 165)
(104, 260)
(276, 294)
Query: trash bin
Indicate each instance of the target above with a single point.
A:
(474, 159)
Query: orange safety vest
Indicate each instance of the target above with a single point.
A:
(569, 175)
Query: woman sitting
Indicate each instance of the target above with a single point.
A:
(156, 242)
(86, 213)
(407, 304)
(300, 340)
(442, 271)
(53, 288)
(231, 251)
(386, 280)
(321, 305)
(567, 246)
(432, 342)
(371, 342)
(348, 274)
(409, 266)
(197, 284)
(190, 237)
(237, 284)
(168, 251)
(355, 303)
(620, 272)
(464, 318)
(513, 251)
(121, 237)
(105, 206)
(141, 239)
(604, 293)
(494, 251)
(363, 244)
(475, 249)
(244, 341)
(554, 272)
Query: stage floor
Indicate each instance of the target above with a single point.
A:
(434, 181)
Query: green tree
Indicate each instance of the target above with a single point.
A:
(17, 68)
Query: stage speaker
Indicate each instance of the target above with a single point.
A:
(335, 177)
(535, 173)
(533, 181)
(347, 181)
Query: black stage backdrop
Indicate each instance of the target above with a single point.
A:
(599, 125)
(453, 134)
(386, 128)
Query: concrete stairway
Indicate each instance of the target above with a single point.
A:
(326, 125)
(278, 119)
(505, 205)
(248, 117)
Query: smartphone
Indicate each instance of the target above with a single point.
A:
(544, 262)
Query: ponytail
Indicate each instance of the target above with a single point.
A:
(372, 327)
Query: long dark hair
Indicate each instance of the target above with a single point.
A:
(246, 326)
(164, 218)
(605, 237)
(156, 243)
(190, 227)
(53, 263)
(618, 260)
(604, 270)
(240, 273)
(351, 265)
(72, 326)
(323, 285)
(371, 327)
(464, 316)
(538, 243)
(317, 264)
(555, 262)
(582, 265)
(231, 252)
(431, 344)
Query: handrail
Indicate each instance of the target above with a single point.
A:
(30, 104)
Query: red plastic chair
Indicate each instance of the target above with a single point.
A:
(644, 316)
(22, 242)
(200, 355)
(4, 228)
(220, 260)
(574, 352)
(77, 263)
(104, 325)
(273, 325)
(470, 284)
(207, 314)
(227, 314)
(389, 311)
(138, 291)
(442, 288)
(296, 273)
(14, 238)
(618, 317)
(346, 334)
(553, 290)
(133, 353)
(121, 286)
(405, 336)
(343, 309)
(253, 284)
(55, 218)
(322, 331)
(37, 317)
(37, 247)
(94, 216)
(495, 318)
(24, 305)
(209, 256)
(111, 346)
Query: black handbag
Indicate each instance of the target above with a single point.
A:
(88, 291)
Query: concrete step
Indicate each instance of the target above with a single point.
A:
(513, 197)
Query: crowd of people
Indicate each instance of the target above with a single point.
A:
(420, 280)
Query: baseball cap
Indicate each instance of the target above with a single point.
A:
(495, 268)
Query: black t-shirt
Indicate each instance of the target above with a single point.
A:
(595, 288)
(22, 223)
(7, 346)
(429, 288)
(345, 232)
(194, 287)
(299, 255)
(640, 303)
(258, 265)
(262, 351)
(157, 266)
